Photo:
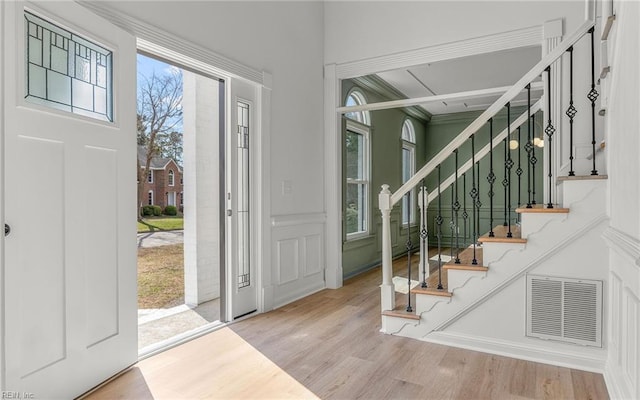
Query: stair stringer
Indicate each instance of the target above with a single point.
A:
(516, 260)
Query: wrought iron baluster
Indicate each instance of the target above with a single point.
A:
(478, 203)
(423, 235)
(549, 130)
(533, 160)
(529, 147)
(452, 225)
(593, 96)
(519, 170)
(439, 231)
(491, 178)
(571, 112)
(474, 194)
(465, 214)
(505, 182)
(509, 165)
(456, 208)
(409, 248)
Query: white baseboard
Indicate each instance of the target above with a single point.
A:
(298, 294)
(517, 350)
(616, 386)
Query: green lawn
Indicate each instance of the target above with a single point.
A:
(154, 224)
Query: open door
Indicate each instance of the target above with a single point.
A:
(243, 283)
(70, 202)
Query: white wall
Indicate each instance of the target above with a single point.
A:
(623, 142)
(354, 31)
(284, 39)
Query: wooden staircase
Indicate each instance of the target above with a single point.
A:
(498, 260)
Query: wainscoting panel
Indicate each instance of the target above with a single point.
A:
(298, 249)
(622, 372)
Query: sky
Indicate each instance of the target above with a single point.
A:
(147, 66)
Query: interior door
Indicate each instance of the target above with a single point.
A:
(243, 282)
(70, 201)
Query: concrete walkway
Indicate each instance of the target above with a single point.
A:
(161, 238)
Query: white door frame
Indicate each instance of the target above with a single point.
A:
(152, 40)
(333, 76)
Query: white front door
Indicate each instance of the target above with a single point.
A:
(69, 199)
(243, 283)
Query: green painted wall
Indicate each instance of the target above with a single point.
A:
(440, 131)
(386, 145)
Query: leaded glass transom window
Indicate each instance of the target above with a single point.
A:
(66, 71)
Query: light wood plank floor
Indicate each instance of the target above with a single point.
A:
(329, 345)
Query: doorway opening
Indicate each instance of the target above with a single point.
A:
(180, 231)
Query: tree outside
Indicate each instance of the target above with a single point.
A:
(159, 117)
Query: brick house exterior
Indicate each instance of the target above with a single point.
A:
(164, 183)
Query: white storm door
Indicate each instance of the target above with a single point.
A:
(70, 199)
(243, 283)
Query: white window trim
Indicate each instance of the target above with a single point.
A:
(409, 143)
(150, 176)
(360, 100)
(150, 192)
(412, 150)
(171, 177)
(364, 130)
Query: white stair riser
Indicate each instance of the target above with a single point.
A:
(426, 302)
(573, 192)
(493, 251)
(393, 325)
(457, 278)
(534, 222)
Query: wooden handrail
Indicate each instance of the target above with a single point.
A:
(491, 111)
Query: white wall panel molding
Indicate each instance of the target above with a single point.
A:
(156, 40)
(298, 257)
(531, 36)
(623, 244)
(298, 219)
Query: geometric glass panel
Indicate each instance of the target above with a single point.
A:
(66, 71)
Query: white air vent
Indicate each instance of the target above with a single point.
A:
(564, 309)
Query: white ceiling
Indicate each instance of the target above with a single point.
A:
(483, 71)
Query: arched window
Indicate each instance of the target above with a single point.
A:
(408, 169)
(171, 177)
(356, 98)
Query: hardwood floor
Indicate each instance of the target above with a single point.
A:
(329, 345)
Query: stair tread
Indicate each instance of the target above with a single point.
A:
(466, 260)
(432, 291)
(401, 312)
(500, 235)
(541, 209)
(582, 177)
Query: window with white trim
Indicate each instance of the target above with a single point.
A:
(150, 197)
(356, 98)
(171, 177)
(408, 169)
(150, 176)
(357, 163)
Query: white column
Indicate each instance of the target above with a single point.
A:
(201, 189)
(423, 203)
(387, 289)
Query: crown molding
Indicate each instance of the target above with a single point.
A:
(379, 86)
(525, 37)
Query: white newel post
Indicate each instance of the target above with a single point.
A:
(423, 195)
(387, 290)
